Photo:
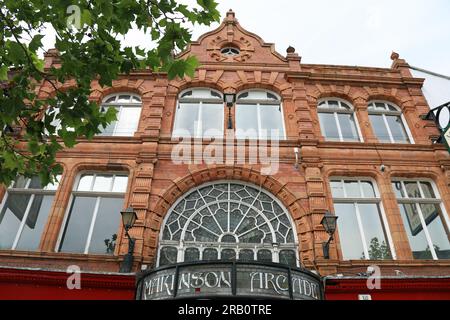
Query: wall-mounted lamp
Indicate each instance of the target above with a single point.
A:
(229, 99)
(129, 217)
(329, 222)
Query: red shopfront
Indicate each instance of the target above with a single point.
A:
(29, 284)
(411, 288)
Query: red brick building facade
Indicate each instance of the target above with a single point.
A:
(155, 183)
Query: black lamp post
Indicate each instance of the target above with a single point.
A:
(129, 217)
(329, 223)
(229, 99)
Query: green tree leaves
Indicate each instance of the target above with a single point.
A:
(88, 51)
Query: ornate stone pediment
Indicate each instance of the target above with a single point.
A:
(232, 43)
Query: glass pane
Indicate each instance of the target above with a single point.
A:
(337, 189)
(433, 218)
(246, 255)
(271, 122)
(428, 191)
(349, 234)
(109, 130)
(228, 254)
(288, 257)
(110, 100)
(168, 255)
(85, 183)
(373, 232)
(212, 120)
(102, 183)
(123, 99)
(78, 224)
(20, 182)
(380, 106)
(352, 189)
(128, 122)
(191, 255)
(135, 99)
(412, 188)
(246, 121)
(264, 256)
(398, 189)
(35, 223)
(120, 184)
(210, 254)
(35, 183)
(348, 127)
(333, 104)
(104, 236)
(379, 128)
(414, 230)
(54, 187)
(11, 217)
(186, 120)
(368, 190)
(397, 129)
(329, 127)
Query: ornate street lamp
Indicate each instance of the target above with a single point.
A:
(441, 115)
(229, 99)
(329, 223)
(129, 217)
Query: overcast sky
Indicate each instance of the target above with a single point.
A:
(347, 32)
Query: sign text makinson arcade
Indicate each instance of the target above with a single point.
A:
(233, 279)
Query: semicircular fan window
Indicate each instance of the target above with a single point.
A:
(228, 221)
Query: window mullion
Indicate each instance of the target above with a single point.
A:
(336, 118)
(388, 128)
(118, 121)
(200, 119)
(91, 228)
(258, 112)
(22, 223)
(427, 233)
(361, 231)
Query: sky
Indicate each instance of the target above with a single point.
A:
(345, 32)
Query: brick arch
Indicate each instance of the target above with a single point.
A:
(99, 94)
(342, 92)
(181, 186)
(179, 85)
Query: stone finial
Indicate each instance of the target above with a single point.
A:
(394, 56)
(290, 49)
(231, 15)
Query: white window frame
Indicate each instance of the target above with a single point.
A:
(417, 201)
(388, 112)
(46, 191)
(198, 130)
(365, 200)
(181, 245)
(92, 194)
(119, 106)
(335, 112)
(259, 103)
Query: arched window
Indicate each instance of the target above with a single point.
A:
(128, 113)
(259, 115)
(199, 114)
(338, 121)
(388, 123)
(228, 221)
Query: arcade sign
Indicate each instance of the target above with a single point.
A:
(233, 279)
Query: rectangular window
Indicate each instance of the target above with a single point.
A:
(360, 220)
(259, 121)
(25, 213)
(200, 119)
(423, 218)
(126, 124)
(94, 215)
